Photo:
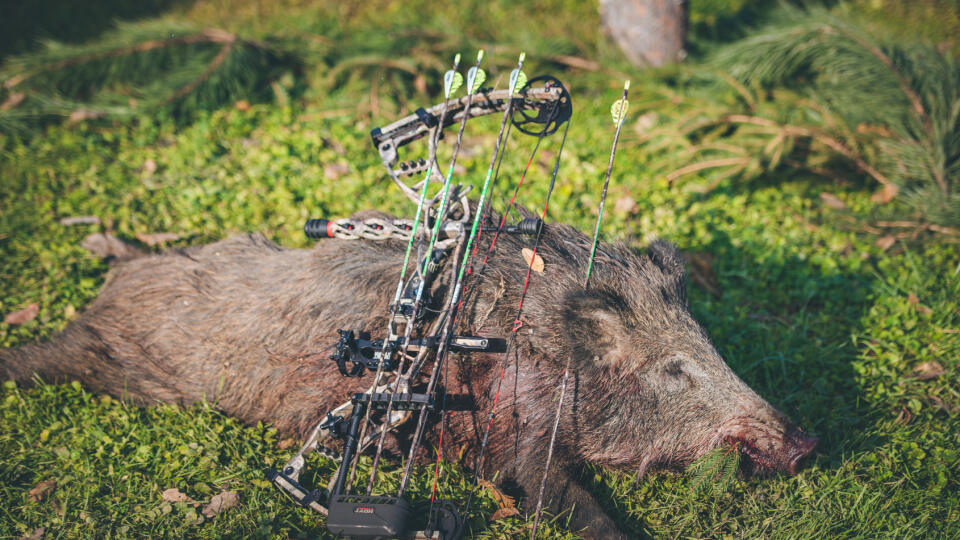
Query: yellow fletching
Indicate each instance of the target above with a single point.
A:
(457, 82)
(619, 110)
(452, 80)
(520, 81)
(478, 80)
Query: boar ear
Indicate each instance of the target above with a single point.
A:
(595, 325)
(669, 259)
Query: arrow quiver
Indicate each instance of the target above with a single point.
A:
(399, 358)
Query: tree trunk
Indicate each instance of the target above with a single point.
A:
(650, 32)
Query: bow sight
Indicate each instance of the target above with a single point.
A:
(536, 107)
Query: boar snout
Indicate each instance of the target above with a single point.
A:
(801, 446)
(769, 447)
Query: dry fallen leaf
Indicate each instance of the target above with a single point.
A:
(885, 242)
(107, 246)
(286, 443)
(915, 302)
(242, 105)
(701, 272)
(149, 167)
(37, 534)
(156, 239)
(904, 417)
(537, 264)
(58, 507)
(928, 370)
(504, 513)
(80, 115)
(885, 195)
(26, 314)
(625, 205)
(79, 220)
(504, 501)
(174, 495)
(832, 201)
(40, 491)
(220, 503)
(942, 405)
(333, 171)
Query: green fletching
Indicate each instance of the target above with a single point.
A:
(619, 110)
(452, 81)
(457, 82)
(518, 79)
(475, 78)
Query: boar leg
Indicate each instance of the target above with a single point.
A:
(563, 491)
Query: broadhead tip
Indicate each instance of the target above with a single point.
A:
(456, 59)
(523, 56)
(479, 55)
(626, 85)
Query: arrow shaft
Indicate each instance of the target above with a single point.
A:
(603, 197)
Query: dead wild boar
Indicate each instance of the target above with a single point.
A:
(250, 325)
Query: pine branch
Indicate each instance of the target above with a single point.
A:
(138, 68)
(715, 471)
(908, 98)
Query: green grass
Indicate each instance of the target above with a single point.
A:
(814, 316)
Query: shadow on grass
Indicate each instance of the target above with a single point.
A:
(23, 24)
(714, 24)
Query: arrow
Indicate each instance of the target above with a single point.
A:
(618, 111)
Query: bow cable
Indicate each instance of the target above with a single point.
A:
(619, 113)
(517, 323)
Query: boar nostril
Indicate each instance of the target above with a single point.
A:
(804, 447)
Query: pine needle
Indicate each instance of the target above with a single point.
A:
(715, 472)
(900, 102)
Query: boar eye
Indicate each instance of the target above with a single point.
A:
(674, 369)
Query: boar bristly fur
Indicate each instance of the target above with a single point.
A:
(249, 326)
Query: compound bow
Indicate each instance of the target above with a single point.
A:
(535, 107)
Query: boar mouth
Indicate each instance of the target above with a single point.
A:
(786, 455)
